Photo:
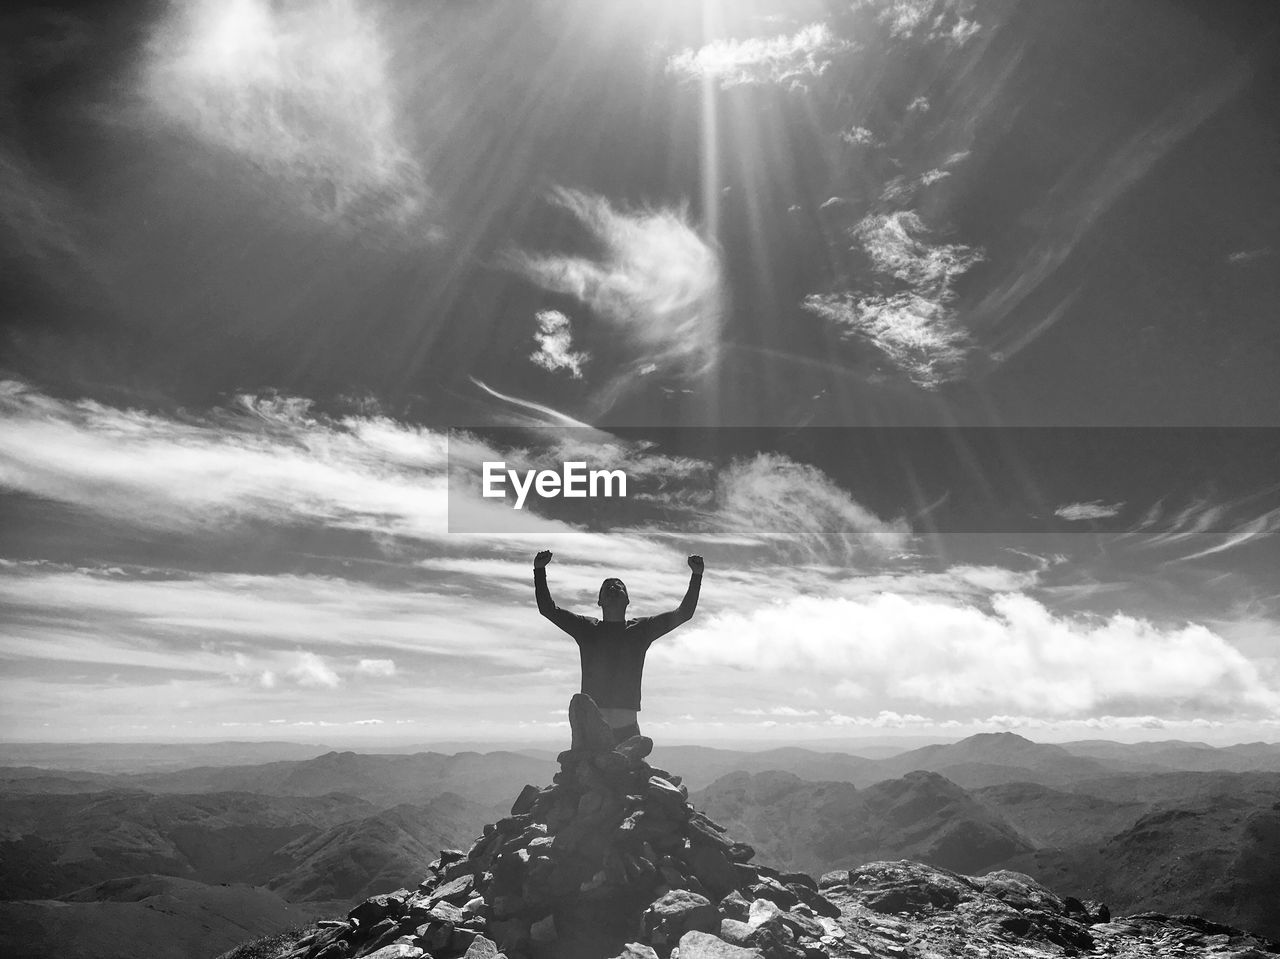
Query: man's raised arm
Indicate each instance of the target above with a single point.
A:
(571, 623)
(665, 622)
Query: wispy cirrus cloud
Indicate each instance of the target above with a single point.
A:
(1207, 526)
(657, 284)
(555, 344)
(786, 59)
(151, 621)
(1094, 509)
(275, 461)
(912, 319)
(1250, 531)
(303, 92)
(803, 514)
(1075, 204)
(263, 460)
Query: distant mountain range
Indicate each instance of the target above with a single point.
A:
(982, 760)
(139, 757)
(1139, 826)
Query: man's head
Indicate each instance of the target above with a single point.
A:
(613, 595)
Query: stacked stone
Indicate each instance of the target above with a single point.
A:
(609, 860)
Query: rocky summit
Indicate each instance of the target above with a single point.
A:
(611, 861)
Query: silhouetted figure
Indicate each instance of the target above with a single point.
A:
(612, 649)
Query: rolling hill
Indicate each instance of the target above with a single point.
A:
(160, 917)
(813, 827)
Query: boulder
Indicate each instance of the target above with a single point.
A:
(524, 802)
(741, 852)
(635, 748)
(455, 891)
(679, 911)
(713, 869)
(397, 950)
(636, 950)
(376, 908)
(701, 945)
(735, 906)
(736, 931)
(544, 930)
(481, 948)
(837, 877)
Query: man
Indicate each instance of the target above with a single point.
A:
(612, 649)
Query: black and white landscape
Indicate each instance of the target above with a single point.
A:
(944, 330)
(194, 861)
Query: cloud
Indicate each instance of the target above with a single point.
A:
(376, 667)
(1249, 256)
(1204, 521)
(1095, 509)
(783, 59)
(886, 718)
(789, 711)
(860, 136)
(918, 335)
(802, 513)
(153, 622)
(899, 245)
(264, 460)
(301, 91)
(1260, 527)
(311, 670)
(555, 344)
(657, 283)
(911, 321)
(930, 19)
(1012, 654)
(531, 414)
(904, 189)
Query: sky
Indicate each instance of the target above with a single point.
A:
(944, 331)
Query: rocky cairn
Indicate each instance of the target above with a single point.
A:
(609, 860)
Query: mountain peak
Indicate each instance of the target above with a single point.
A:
(1004, 738)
